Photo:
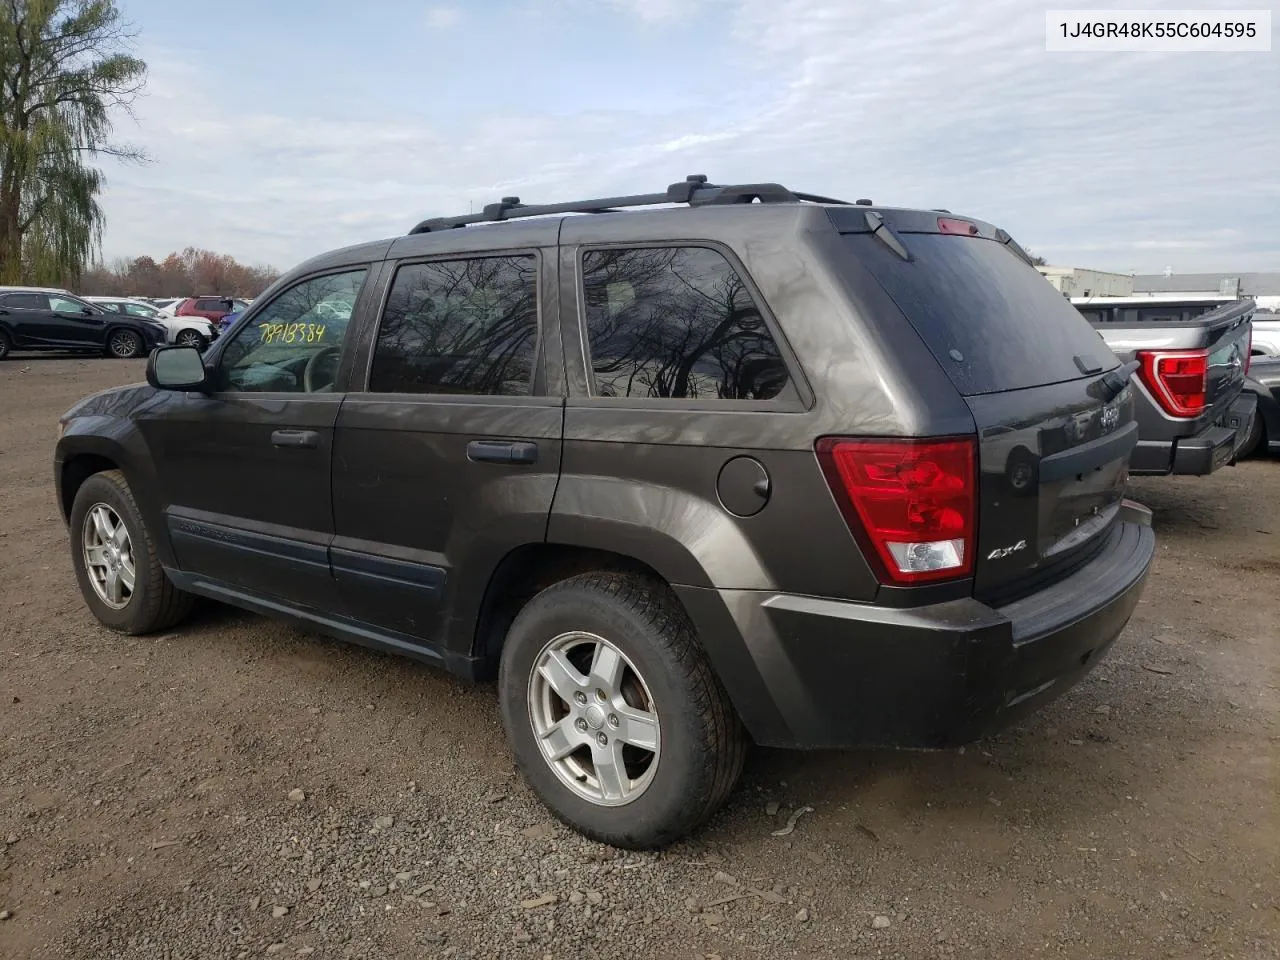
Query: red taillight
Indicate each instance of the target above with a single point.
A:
(1177, 379)
(953, 225)
(914, 500)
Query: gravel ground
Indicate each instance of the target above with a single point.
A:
(237, 788)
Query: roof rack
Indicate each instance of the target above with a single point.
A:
(694, 190)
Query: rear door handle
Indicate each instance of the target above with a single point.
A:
(502, 451)
(304, 439)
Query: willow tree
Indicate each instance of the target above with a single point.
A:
(65, 70)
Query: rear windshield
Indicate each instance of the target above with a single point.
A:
(975, 299)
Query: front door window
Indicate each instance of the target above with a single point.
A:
(295, 343)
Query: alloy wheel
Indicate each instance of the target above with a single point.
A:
(108, 556)
(124, 345)
(594, 719)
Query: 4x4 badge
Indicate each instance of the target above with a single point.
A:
(1001, 552)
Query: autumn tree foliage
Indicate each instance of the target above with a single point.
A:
(192, 272)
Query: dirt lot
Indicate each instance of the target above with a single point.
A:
(145, 785)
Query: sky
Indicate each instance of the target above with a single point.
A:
(278, 129)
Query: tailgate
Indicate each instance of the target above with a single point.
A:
(1228, 344)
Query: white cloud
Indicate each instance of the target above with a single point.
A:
(657, 11)
(442, 18)
(1107, 160)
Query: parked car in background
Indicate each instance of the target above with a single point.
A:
(39, 318)
(1264, 383)
(192, 331)
(677, 477)
(1266, 334)
(1190, 356)
(166, 303)
(212, 309)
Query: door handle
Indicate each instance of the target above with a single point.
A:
(303, 439)
(502, 451)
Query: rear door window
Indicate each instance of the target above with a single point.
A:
(459, 327)
(26, 301)
(990, 320)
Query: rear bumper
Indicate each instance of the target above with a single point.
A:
(818, 673)
(1213, 447)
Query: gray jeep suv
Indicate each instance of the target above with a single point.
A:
(682, 471)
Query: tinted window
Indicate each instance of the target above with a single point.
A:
(211, 304)
(975, 297)
(26, 301)
(459, 326)
(677, 323)
(295, 342)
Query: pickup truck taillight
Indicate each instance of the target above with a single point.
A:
(1177, 379)
(913, 501)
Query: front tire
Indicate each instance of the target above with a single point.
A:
(124, 345)
(115, 560)
(189, 338)
(613, 711)
(6, 347)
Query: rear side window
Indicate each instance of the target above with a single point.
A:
(990, 320)
(25, 301)
(676, 323)
(211, 304)
(459, 327)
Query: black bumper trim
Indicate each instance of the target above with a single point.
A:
(1209, 450)
(839, 674)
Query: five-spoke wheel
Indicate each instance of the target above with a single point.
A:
(594, 718)
(615, 716)
(108, 556)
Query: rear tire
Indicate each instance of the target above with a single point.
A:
(124, 345)
(5, 346)
(698, 744)
(141, 603)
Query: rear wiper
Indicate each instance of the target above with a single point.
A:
(880, 230)
(1115, 381)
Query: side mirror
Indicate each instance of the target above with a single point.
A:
(175, 367)
(88, 311)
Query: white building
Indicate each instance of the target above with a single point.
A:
(1261, 287)
(1079, 282)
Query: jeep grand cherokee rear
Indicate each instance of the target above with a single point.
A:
(761, 466)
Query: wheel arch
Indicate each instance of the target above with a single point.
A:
(530, 568)
(115, 327)
(80, 456)
(527, 569)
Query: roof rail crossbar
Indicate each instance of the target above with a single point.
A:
(694, 191)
